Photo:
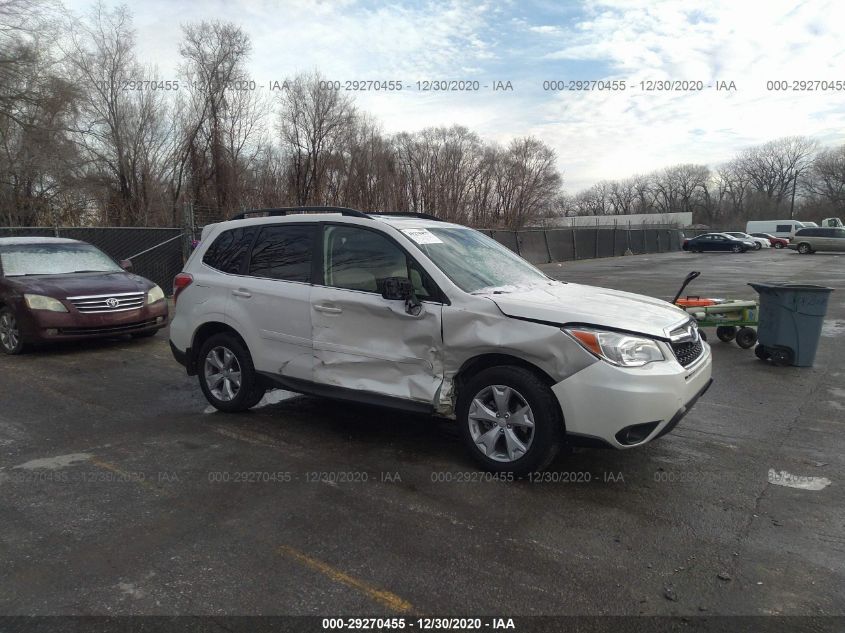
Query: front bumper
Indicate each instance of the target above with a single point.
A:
(42, 326)
(625, 407)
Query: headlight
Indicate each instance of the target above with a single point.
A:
(155, 294)
(616, 348)
(40, 302)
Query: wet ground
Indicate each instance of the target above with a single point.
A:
(122, 493)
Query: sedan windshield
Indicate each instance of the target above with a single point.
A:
(54, 259)
(475, 262)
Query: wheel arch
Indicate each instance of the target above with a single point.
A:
(485, 361)
(202, 334)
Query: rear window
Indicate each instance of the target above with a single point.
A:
(228, 252)
(283, 252)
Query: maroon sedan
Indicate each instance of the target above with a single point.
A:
(54, 289)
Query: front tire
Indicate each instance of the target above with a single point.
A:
(804, 248)
(778, 245)
(736, 248)
(227, 376)
(11, 341)
(510, 420)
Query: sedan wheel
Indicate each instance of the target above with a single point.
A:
(778, 245)
(10, 334)
(757, 246)
(736, 248)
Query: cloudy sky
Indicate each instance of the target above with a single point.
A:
(597, 135)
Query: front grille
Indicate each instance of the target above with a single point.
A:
(687, 352)
(107, 329)
(99, 304)
(686, 343)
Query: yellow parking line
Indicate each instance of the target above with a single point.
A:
(388, 599)
(126, 475)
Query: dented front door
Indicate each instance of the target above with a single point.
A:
(363, 341)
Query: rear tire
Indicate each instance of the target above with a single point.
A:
(726, 333)
(782, 356)
(11, 341)
(746, 337)
(510, 420)
(226, 374)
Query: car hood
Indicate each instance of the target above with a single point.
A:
(81, 284)
(573, 303)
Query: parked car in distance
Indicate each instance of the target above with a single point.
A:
(759, 242)
(54, 289)
(717, 242)
(808, 241)
(778, 228)
(774, 241)
(421, 315)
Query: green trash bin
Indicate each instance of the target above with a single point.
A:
(791, 318)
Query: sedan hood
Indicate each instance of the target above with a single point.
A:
(573, 303)
(80, 284)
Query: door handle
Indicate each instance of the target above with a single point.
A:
(242, 293)
(328, 309)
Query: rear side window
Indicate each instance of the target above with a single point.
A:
(283, 252)
(228, 252)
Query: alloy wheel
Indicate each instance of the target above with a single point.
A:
(501, 423)
(9, 334)
(222, 373)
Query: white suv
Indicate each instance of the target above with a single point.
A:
(410, 312)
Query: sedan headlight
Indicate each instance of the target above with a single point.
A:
(40, 302)
(155, 294)
(625, 350)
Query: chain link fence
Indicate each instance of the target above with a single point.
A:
(159, 253)
(156, 253)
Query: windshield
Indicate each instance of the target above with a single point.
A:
(54, 259)
(473, 261)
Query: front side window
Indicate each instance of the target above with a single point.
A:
(357, 259)
(54, 259)
(473, 261)
(283, 252)
(228, 252)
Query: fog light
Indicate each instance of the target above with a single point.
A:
(51, 331)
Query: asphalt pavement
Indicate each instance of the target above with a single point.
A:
(121, 492)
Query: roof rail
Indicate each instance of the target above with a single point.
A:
(408, 214)
(259, 213)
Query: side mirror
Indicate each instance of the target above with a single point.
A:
(125, 264)
(400, 289)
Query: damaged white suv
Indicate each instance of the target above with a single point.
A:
(410, 312)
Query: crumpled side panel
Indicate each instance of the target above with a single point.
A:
(483, 329)
(374, 345)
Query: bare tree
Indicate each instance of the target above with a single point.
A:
(312, 122)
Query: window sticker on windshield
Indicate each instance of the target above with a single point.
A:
(421, 236)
